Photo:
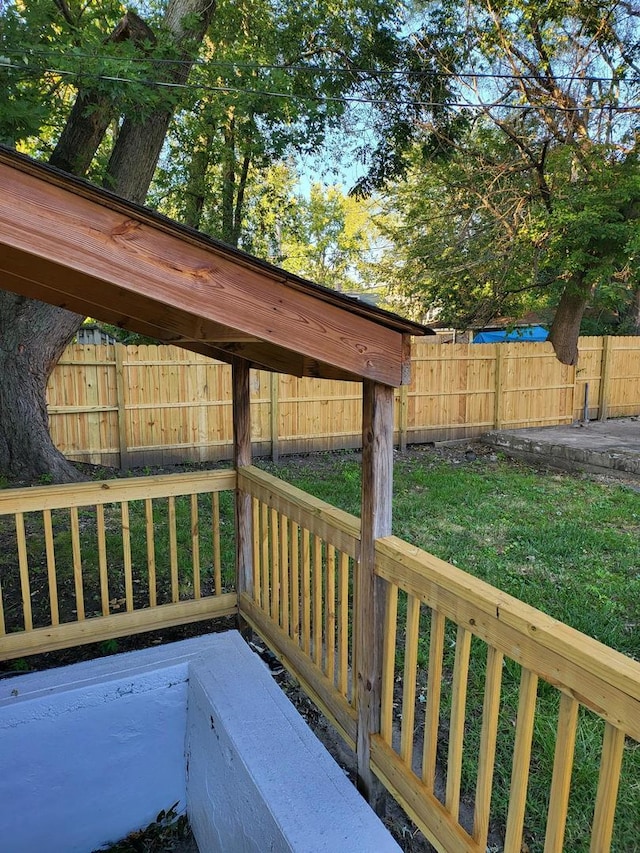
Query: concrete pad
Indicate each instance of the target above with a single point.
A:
(604, 447)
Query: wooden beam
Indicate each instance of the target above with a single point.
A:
(377, 489)
(108, 258)
(150, 318)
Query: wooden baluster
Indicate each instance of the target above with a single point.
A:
(51, 570)
(306, 592)
(126, 549)
(389, 664)
(607, 794)
(432, 710)
(456, 727)
(317, 601)
(343, 624)
(409, 679)
(101, 531)
(561, 779)
(23, 562)
(195, 546)
(284, 573)
(487, 752)
(330, 615)
(257, 554)
(151, 552)
(275, 566)
(215, 543)
(173, 550)
(295, 582)
(521, 760)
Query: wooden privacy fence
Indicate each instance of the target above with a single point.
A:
(93, 561)
(147, 405)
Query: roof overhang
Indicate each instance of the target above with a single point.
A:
(71, 244)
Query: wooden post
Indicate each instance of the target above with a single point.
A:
(275, 382)
(377, 486)
(404, 417)
(497, 408)
(605, 378)
(242, 457)
(121, 401)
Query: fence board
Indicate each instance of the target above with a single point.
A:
(154, 405)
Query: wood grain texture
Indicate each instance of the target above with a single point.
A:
(99, 257)
(377, 486)
(100, 628)
(241, 458)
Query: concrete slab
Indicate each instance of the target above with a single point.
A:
(603, 447)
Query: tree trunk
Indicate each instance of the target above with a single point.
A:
(565, 328)
(196, 189)
(137, 149)
(228, 181)
(93, 111)
(30, 346)
(632, 315)
(33, 335)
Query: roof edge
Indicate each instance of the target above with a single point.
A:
(100, 195)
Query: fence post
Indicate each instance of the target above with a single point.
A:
(275, 385)
(497, 407)
(404, 417)
(605, 378)
(377, 485)
(125, 459)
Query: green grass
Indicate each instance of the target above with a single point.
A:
(567, 545)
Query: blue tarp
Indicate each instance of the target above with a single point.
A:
(526, 333)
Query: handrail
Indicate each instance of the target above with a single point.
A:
(335, 526)
(112, 558)
(99, 492)
(462, 611)
(599, 677)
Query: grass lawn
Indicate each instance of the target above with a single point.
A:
(568, 545)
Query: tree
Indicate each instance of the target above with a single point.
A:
(559, 83)
(275, 81)
(471, 238)
(329, 240)
(34, 335)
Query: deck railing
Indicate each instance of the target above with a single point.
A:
(465, 668)
(303, 593)
(94, 561)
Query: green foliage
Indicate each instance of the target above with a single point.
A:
(274, 83)
(533, 190)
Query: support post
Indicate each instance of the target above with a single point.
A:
(377, 488)
(404, 417)
(242, 457)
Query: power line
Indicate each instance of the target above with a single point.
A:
(330, 71)
(345, 99)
